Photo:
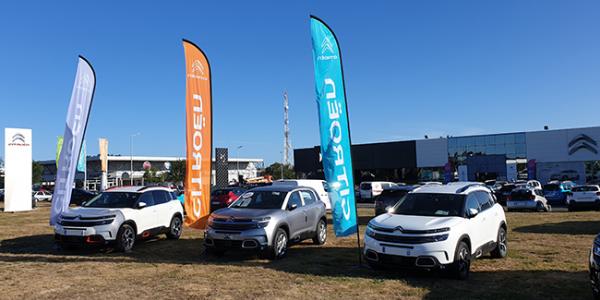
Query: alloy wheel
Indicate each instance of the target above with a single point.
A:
(176, 227)
(128, 238)
(281, 245)
(322, 232)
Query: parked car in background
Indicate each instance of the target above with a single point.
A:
(389, 197)
(504, 192)
(221, 198)
(534, 184)
(267, 219)
(78, 196)
(371, 189)
(556, 192)
(42, 196)
(594, 267)
(584, 196)
(120, 216)
(564, 175)
(320, 186)
(527, 199)
(438, 226)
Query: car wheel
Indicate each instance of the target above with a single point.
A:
(280, 244)
(321, 233)
(570, 207)
(501, 249)
(175, 228)
(125, 238)
(462, 261)
(540, 207)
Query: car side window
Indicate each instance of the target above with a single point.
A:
(308, 197)
(147, 198)
(294, 199)
(160, 197)
(484, 200)
(472, 202)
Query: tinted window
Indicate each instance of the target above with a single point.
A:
(365, 186)
(472, 202)
(113, 200)
(484, 199)
(160, 197)
(308, 197)
(520, 194)
(551, 187)
(585, 189)
(260, 200)
(147, 198)
(294, 199)
(429, 204)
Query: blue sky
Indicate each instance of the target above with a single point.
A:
(412, 68)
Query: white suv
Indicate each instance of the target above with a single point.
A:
(438, 226)
(119, 216)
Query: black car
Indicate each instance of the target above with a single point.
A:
(595, 267)
(503, 193)
(389, 197)
(78, 196)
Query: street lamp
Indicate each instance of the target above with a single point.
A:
(131, 156)
(238, 163)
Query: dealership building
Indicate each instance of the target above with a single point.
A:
(119, 169)
(565, 154)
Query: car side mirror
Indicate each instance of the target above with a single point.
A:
(472, 212)
(141, 205)
(292, 207)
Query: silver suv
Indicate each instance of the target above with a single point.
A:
(268, 219)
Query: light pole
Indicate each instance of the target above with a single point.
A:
(238, 163)
(131, 156)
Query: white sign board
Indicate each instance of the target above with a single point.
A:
(17, 169)
(511, 171)
(463, 175)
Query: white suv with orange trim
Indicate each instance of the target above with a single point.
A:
(120, 216)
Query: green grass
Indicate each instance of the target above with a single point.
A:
(548, 255)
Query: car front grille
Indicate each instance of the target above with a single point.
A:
(232, 226)
(408, 239)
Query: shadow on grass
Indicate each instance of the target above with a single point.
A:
(330, 262)
(567, 227)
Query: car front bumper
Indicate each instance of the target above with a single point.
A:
(70, 234)
(254, 239)
(428, 255)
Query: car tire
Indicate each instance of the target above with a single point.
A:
(540, 207)
(321, 233)
(175, 228)
(462, 261)
(570, 207)
(125, 238)
(501, 249)
(280, 244)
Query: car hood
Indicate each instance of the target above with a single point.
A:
(90, 212)
(415, 222)
(244, 212)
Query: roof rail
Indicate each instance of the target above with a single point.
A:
(470, 185)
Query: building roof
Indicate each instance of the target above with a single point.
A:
(154, 158)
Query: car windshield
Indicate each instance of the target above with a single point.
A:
(589, 188)
(113, 200)
(551, 187)
(430, 204)
(260, 200)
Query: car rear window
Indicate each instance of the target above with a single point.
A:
(551, 187)
(520, 194)
(589, 188)
(508, 188)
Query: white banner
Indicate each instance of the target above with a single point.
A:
(77, 117)
(17, 169)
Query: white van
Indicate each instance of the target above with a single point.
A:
(372, 189)
(318, 185)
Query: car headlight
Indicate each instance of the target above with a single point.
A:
(439, 238)
(596, 247)
(369, 232)
(210, 220)
(262, 222)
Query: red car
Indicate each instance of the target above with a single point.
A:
(221, 198)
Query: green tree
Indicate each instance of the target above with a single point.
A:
(36, 172)
(275, 171)
(177, 172)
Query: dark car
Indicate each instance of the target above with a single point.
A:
(389, 197)
(221, 198)
(78, 196)
(595, 267)
(504, 192)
